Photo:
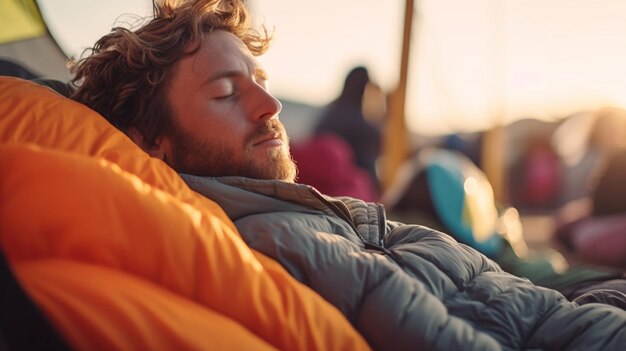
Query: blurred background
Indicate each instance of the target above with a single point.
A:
(522, 100)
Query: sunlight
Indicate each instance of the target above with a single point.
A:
(473, 65)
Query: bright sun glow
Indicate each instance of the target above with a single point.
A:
(473, 63)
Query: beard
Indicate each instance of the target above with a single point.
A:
(208, 158)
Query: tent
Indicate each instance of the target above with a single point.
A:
(27, 48)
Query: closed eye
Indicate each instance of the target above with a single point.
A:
(223, 97)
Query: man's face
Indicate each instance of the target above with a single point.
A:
(225, 120)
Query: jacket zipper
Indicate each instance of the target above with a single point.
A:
(344, 214)
(382, 228)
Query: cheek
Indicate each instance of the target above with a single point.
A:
(201, 118)
(216, 123)
(224, 133)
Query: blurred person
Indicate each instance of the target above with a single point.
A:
(537, 176)
(345, 117)
(594, 228)
(327, 162)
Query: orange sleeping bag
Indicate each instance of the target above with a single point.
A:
(120, 254)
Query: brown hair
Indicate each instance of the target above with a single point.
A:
(125, 75)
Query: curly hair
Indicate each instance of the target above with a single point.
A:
(125, 75)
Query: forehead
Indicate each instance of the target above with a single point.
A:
(219, 50)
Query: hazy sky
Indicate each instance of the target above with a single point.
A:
(473, 63)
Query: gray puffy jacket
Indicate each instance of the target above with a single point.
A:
(405, 287)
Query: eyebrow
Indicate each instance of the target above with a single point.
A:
(220, 75)
(259, 73)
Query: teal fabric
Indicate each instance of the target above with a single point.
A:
(446, 174)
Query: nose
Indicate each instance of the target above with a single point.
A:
(268, 106)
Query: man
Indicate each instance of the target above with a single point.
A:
(186, 87)
(170, 95)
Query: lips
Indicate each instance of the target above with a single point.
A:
(268, 137)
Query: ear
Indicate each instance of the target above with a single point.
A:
(157, 150)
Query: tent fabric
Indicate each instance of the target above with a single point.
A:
(464, 200)
(25, 40)
(20, 20)
(120, 254)
(450, 188)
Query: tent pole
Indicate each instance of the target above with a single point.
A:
(494, 146)
(395, 137)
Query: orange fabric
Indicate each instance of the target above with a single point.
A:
(106, 309)
(132, 218)
(30, 113)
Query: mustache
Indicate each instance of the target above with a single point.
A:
(270, 126)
